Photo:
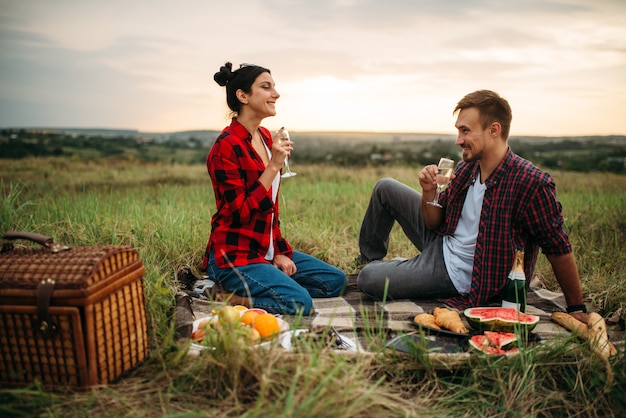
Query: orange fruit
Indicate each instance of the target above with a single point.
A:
(240, 308)
(248, 318)
(267, 325)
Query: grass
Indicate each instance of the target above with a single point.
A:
(165, 210)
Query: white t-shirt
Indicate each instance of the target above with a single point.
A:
(269, 256)
(458, 250)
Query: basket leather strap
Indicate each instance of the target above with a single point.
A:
(37, 238)
(43, 324)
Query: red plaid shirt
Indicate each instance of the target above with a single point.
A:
(520, 209)
(240, 229)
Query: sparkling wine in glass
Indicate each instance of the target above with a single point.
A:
(285, 136)
(445, 168)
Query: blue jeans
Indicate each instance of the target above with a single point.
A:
(276, 292)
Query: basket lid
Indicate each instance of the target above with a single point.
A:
(73, 268)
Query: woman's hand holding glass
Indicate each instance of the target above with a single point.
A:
(283, 138)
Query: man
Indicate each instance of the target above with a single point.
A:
(495, 203)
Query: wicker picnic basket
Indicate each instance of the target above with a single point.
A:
(69, 316)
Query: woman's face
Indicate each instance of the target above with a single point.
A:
(262, 97)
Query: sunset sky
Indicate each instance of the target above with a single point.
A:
(349, 65)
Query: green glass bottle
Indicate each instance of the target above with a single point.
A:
(514, 295)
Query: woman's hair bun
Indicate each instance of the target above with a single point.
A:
(224, 75)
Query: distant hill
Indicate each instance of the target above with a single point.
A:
(577, 153)
(345, 137)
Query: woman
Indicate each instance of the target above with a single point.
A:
(247, 254)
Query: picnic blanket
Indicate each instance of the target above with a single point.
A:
(354, 312)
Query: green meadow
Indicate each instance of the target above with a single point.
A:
(164, 210)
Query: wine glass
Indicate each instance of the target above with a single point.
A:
(284, 136)
(445, 168)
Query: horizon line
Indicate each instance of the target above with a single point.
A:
(321, 131)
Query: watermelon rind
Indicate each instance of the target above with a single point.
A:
(500, 319)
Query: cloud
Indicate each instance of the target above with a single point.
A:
(351, 64)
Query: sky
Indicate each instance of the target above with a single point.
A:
(339, 65)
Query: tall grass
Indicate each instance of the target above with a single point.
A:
(165, 210)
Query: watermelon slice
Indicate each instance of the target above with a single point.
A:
(500, 319)
(492, 342)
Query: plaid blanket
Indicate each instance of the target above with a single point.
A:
(354, 313)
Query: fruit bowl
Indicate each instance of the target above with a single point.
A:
(282, 337)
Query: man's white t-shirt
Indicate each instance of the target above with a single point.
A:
(458, 250)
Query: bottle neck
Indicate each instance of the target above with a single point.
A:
(517, 272)
(517, 275)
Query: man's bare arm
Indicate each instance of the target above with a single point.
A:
(566, 273)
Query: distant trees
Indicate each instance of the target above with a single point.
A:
(592, 154)
(573, 154)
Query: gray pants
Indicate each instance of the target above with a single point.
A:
(421, 277)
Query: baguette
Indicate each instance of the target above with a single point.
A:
(572, 324)
(598, 337)
(594, 332)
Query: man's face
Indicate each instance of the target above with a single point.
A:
(472, 138)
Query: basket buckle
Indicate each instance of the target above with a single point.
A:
(43, 324)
